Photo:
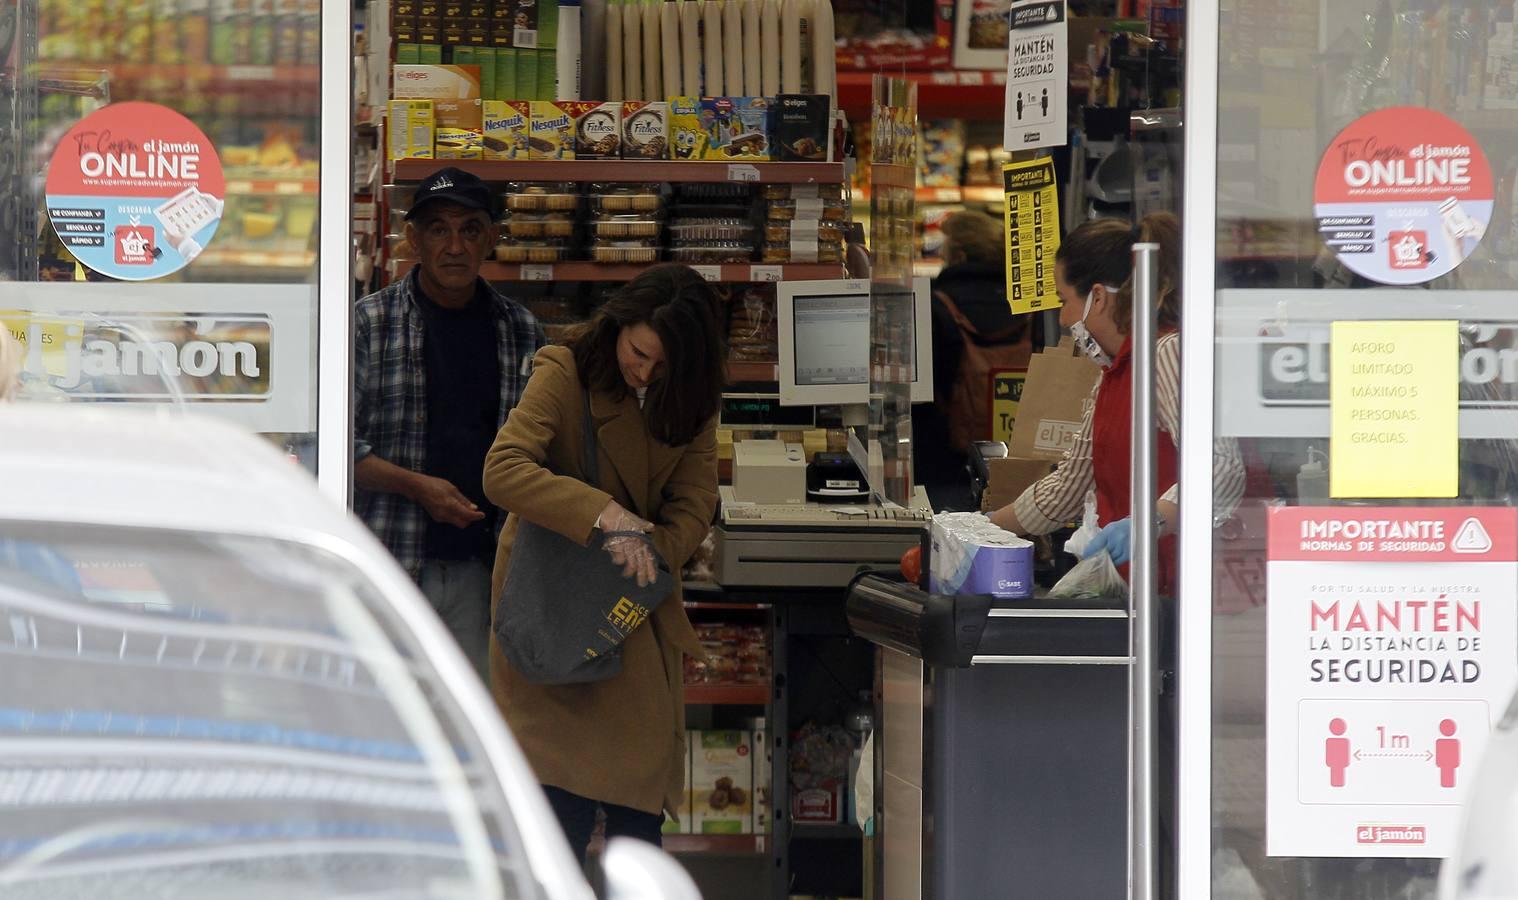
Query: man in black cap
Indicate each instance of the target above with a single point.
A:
(440, 358)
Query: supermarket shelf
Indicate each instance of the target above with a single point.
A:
(287, 75)
(984, 194)
(629, 170)
(949, 93)
(727, 694)
(741, 273)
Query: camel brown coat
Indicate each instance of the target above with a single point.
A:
(621, 740)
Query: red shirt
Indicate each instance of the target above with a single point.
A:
(1112, 456)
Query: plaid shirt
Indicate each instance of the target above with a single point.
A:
(390, 400)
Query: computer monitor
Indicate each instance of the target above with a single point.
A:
(824, 331)
(826, 352)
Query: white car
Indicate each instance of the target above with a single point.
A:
(215, 683)
(1485, 866)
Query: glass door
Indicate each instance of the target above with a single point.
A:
(174, 223)
(1347, 630)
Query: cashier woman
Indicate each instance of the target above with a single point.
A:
(1093, 274)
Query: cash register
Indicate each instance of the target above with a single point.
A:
(791, 519)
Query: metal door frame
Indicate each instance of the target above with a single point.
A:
(334, 295)
(1198, 323)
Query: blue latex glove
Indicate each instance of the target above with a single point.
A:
(1116, 539)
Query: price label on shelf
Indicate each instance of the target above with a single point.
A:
(710, 273)
(537, 273)
(742, 173)
(766, 274)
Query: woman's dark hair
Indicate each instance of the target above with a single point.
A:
(1101, 252)
(682, 309)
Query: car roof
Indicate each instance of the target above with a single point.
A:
(97, 464)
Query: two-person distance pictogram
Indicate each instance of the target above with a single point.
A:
(1338, 754)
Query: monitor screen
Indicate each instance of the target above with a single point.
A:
(832, 339)
(835, 335)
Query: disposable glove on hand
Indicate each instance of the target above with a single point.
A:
(635, 555)
(1116, 539)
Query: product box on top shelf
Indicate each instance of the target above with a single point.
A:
(459, 143)
(645, 130)
(722, 782)
(436, 82)
(411, 129)
(465, 115)
(687, 138)
(1049, 415)
(597, 128)
(552, 133)
(736, 128)
(507, 129)
(801, 125)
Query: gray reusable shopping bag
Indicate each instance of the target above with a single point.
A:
(565, 609)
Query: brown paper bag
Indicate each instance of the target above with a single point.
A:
(1009, 477)
(1053, 403)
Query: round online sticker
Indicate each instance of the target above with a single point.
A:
(135, 191)
(1403, 195)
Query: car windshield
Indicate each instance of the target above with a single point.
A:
(213, 716)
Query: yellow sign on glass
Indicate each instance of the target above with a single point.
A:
(51, 335)
(1032, 221)
(1394, 402)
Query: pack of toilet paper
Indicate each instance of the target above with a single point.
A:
(972, 556)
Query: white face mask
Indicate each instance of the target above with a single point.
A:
(1083, 338)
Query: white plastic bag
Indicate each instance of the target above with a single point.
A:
(1077, 543)
(1093, 578)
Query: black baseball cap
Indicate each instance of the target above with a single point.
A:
(455, 186)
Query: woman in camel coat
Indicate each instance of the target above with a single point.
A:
(652, 357)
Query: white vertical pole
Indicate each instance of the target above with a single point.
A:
(334, 297)
(1143, 586)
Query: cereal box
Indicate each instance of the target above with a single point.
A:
(507, 129)
(459, 143)
(598, 129)
(687, 137)
(645, 130)
(736, 128)
(722, 782)
(799, 127)
(463, 114)
(437, 82)
(552, 133)
(410, 129)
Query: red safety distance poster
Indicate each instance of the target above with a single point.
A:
(135, 191)
(1390, 655)
(1403, 195)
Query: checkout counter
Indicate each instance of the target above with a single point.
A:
(1001, 744)
(1000, 726)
